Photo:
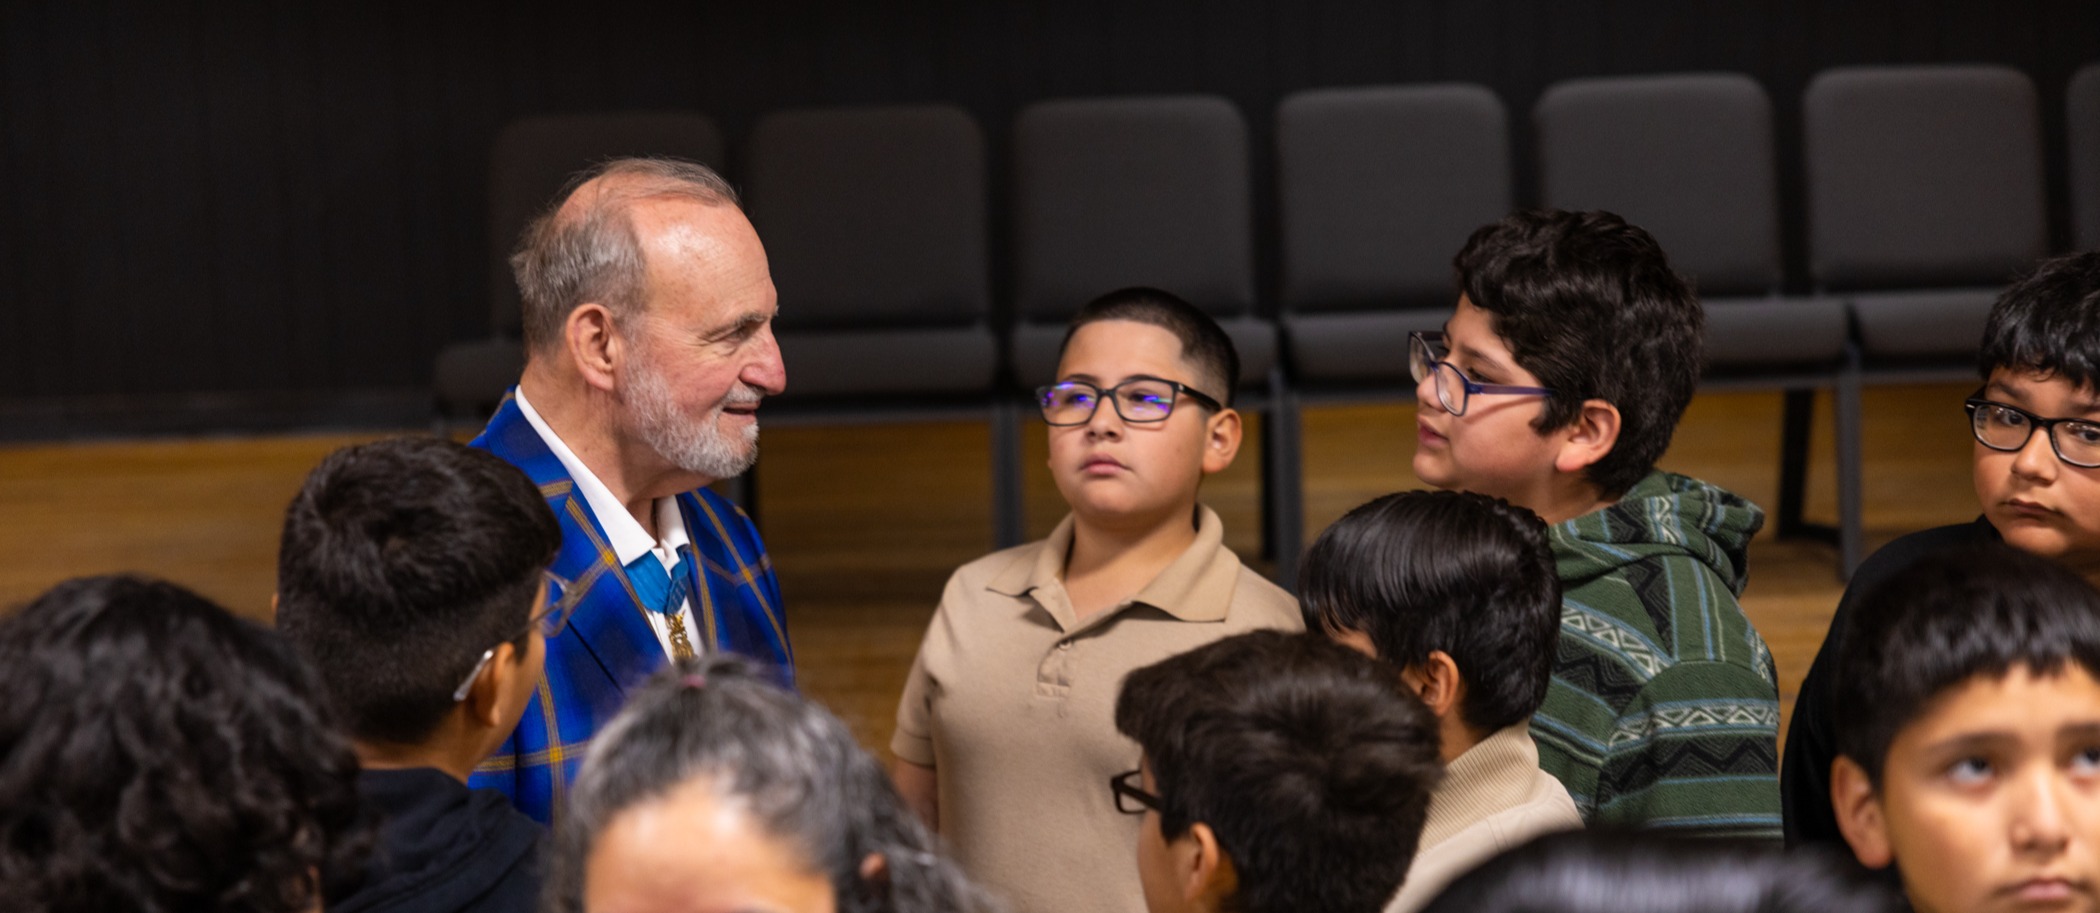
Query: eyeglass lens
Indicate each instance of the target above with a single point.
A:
(553, 615)
(1423, 360)
(2003, 428)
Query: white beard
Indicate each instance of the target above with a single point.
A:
(699, 447)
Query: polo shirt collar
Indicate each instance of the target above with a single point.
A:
(1197, 586)
(626, 536)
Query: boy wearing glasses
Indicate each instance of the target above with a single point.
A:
(2036, 464)
(1555, 386)
(1005, 730)
(1281, 773)
(412, 574)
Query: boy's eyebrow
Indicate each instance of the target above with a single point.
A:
(1969, 741)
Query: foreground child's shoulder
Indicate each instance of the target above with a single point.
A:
(1258, 602)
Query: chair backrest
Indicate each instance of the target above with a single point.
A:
(1379, 187)
(534, 157)
(2082, 103)
(1922, 176)
(1688, 157)
(1131, 191)
(872, 217)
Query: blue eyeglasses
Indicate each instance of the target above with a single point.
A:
(1454, 389)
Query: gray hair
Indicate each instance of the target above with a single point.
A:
(791, 765)
(590, 253)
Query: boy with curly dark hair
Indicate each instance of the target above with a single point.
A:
(1556, 385)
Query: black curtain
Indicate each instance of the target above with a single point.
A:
(226, 202)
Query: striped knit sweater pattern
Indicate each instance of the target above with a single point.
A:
(1664, 706)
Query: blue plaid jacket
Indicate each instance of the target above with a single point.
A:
(608, 646)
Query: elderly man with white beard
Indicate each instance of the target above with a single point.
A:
(648, 312)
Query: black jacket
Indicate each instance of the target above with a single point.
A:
(1811, 742)
(444, 848)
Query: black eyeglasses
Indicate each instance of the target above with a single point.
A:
(2008, 428)
(1132, 799)
(1453, 388)
(551, 619)
(1139, 399)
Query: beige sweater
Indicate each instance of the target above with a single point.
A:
(1493, 797)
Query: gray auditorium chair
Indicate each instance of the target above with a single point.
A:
(874, 221)
(530, 162)
(1925, 197)
(1689, 157)
(1154, 191)
(1377, 189)
(2082, 104)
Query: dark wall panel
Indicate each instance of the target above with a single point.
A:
(244, 197)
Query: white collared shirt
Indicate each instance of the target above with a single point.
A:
(626, 536)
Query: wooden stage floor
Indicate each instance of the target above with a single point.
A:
(865, 522)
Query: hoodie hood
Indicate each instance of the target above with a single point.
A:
(1662, 515)
(443, 847)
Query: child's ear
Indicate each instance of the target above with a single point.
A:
(484, 703)
(1593, 434)
(1210, 877)
(1221, 440)
(1859, 814)
(1435, 680)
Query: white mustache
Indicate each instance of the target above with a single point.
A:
(743, 396)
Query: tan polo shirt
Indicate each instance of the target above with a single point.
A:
(1493, 797)
(1012, 702)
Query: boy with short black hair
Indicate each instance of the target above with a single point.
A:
(2040, 493)
(1455, 593)
(1556, 385)
(1005, 730)
(1968, 726)
(1281, 773)
(412, 574)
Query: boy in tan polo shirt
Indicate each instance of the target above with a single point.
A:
(1006, 733)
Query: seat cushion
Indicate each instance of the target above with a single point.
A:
(1748, 334)
(1938, 324)
(1363, 347)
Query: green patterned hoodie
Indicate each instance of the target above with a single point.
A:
(1664, 707)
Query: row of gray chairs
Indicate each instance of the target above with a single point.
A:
(1924, 184)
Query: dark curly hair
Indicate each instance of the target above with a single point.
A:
(1589, 305)
(163, 755)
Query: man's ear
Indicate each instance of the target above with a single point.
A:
(1435, 680)
(594, 344)
(1859, 813)
(485, 698)
(1593, 434)
(1210, 878)
(1221, 440)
